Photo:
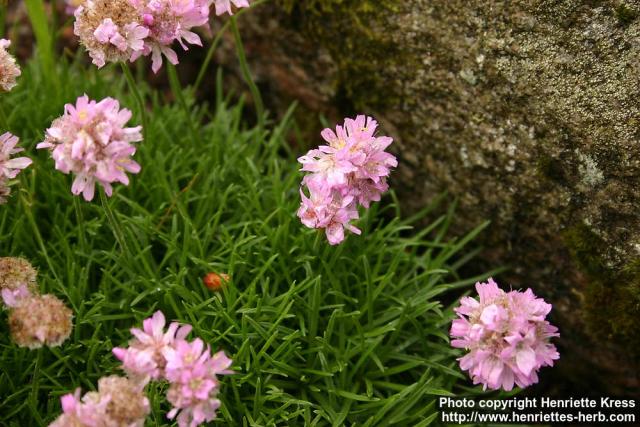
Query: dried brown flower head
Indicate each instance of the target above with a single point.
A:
(40, 320)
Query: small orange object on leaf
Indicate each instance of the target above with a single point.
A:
(215, 281)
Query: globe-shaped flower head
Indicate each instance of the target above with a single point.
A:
(91, 141)
(506, 335)
(350, 171)
(9, 70)
(110, 30)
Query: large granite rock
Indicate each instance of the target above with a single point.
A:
(527, 111)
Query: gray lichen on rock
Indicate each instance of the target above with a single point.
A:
(540, 135)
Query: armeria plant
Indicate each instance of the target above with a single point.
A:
(305, 332)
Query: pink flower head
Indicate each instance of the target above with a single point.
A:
(144, 358)
(119, 402)
(188, 366)
(91, 141)
(110, 30)
(329, 210)
(130, 37)
(9, 70)
(194, 384)
(224, 6)
(11, 167)
(120, 30)
(351, 170)
(506, 335)
(89, 411)
(169, 21)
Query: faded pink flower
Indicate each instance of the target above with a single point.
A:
(110, 30)
(121, 30)
(144, 358)
(17, 272)
(506, 336)
(128, 405)
(119, 402)
(88, 411)
(351, 170)
(9, 70)
(91, 141)
(39, 320)
(188, 366)
(224, 6)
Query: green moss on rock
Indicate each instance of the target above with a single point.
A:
(551, 168)
(625, 14)
(612, 310)
(585, 246)
(612, 298)
(349, 30)
(340, 6)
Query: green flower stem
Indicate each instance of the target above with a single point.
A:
(37, 12)
(216, 41)
(81, 228)
(176, 88)
(36, 231)
(246, 73)
(115, 225)
(139, 99)
(209, 57)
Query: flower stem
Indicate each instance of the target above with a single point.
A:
(209, 57)
(217, 39)
(80, 219)
(244, 67)
(176, 88)
(139, 99)
(115, 226)
(36, 231)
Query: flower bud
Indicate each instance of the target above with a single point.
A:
(215, 281)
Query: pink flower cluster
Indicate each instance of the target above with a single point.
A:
(79, 411)
(507, 337)
(119, 402)
(121, 30)
(35, 320)
(91, 141)
(352, 170)
(189, 367)
(9, 70)
(10, 167)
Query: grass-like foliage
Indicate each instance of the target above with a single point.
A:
(319, 335)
